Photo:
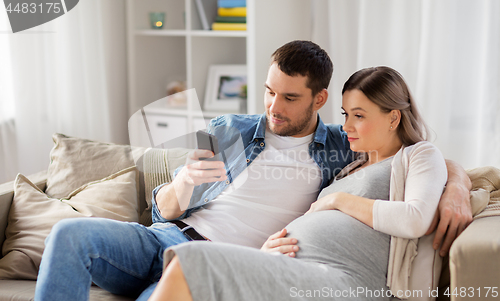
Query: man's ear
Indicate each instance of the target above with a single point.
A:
(320, 99)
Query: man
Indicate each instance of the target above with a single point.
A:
(288, 155)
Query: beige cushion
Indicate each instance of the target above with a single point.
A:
(159, 166)
(75, 162)
(33, 214)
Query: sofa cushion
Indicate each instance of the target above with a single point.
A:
(75, 162)
(33, 213)
(6, 196)
(158, 167)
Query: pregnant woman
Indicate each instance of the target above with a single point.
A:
(359, 233)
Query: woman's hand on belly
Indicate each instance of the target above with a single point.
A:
(325, 203)
(279, 243)
(358, 207)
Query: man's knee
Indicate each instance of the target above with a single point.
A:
(66, 229)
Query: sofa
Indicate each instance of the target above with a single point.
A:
(82, 173)
(84, 179)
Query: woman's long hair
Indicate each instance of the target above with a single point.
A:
(386, 88)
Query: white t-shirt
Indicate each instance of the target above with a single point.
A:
(277, 187)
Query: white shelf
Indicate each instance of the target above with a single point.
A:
(194, 33)
(219, 33)
(182, 51)
(160, 32)
(167, 111)
(210, 114)
(183, 112)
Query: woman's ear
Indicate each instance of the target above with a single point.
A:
(395, 118)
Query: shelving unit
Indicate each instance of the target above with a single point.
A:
(181, 50)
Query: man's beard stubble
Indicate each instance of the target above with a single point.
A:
(294, 128)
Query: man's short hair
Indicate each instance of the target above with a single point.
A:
(305, 58)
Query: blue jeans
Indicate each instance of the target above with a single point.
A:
(122, 258)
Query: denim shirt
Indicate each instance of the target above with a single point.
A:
(241, 140)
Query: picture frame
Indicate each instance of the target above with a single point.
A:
(226, 88)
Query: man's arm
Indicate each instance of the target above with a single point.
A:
(454, 211)
(173, 199)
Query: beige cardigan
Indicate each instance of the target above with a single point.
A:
(420, 158)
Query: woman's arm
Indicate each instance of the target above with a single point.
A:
(358, 207)
(423, 187)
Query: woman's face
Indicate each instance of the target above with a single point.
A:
(368, 128)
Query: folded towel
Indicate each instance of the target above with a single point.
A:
(229, 26)
(231, 3)
(232, 12)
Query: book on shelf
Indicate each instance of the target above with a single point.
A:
(202, 14)
(232, 12)
(231, 3)
(229, 26)
(220, 19)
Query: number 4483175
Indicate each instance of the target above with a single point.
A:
(26, 8)
(473, 292)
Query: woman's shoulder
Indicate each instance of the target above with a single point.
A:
(424, 153)
(422, 148)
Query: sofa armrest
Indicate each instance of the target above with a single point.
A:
(6, 196)
(475, 260)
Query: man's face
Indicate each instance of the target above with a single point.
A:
(290, 107)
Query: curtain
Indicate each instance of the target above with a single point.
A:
(8, 142)
(68, 76)
(447, 50)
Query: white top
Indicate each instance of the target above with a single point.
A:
(277, 187)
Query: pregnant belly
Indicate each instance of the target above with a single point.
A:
(333, 237)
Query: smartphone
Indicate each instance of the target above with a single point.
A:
(208, 141)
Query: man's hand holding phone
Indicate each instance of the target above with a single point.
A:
(200, 169)
(202, 166)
